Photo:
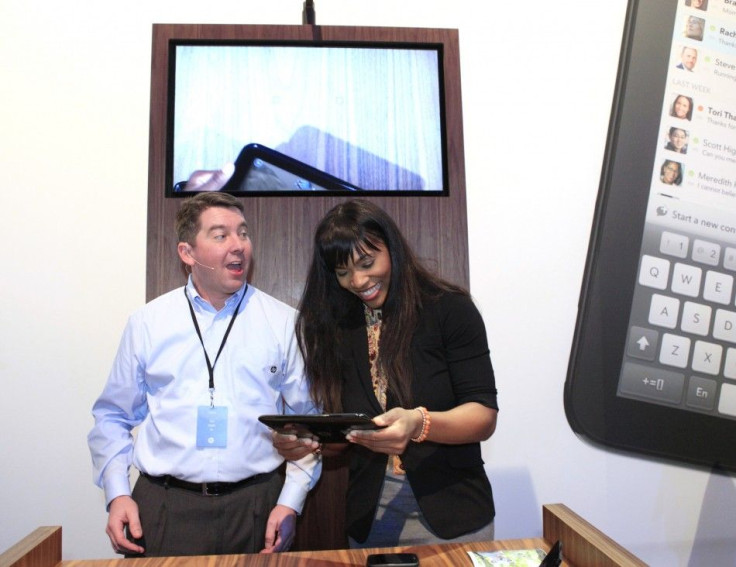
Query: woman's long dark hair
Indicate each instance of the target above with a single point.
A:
(325, 307)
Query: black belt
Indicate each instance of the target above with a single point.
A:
(203, 488)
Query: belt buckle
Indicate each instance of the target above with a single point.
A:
(210, 489)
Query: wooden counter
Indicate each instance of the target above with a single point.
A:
(582, 545)
(439, 555)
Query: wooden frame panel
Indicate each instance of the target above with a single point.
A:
(282, 227)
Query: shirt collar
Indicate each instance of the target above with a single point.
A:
(230, 302)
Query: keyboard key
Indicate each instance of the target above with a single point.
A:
(654, 272)
(654, 383)
(706, 252)
(701, 393)
(642, 343)
(729, 367)
(686, 279)
(674, 244)
(675, 350)
(724, 326)
(663, 311)
(727, 400)
(707, 357)
(718, 287)
(696, 318)
(729, 259)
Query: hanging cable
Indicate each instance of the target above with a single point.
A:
(308, 12)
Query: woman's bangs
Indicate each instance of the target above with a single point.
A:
(339, 249)
(337, 252)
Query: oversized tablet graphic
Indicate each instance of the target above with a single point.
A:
(653, 364)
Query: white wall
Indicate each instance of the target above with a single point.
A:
(74, 94)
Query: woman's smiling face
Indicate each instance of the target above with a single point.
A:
(367, 274)
(682, 107)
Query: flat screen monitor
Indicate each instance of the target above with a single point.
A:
(312, 116)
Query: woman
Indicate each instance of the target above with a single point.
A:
(697, 4)
(383, 336)
(694, 28)
(671, 172)
(682, 107)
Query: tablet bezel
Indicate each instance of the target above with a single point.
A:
(328, 428)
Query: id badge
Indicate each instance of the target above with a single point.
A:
(211, 427)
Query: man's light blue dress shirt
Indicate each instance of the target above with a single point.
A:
(159, 378)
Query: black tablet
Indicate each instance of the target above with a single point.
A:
(262, 169)
(653, 364)
(328, 428)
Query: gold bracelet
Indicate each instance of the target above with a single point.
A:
(426, 423)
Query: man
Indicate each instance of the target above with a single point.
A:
(688, 59)
(194, 370)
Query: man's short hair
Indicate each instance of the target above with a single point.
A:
(187, 218)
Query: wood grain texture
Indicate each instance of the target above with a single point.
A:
(41, 548)
(582, 543)
(438, 555)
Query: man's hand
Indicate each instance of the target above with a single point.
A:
(124, 512)
(280, 529)
(292, 447)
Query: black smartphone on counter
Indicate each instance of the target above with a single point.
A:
(392, 560)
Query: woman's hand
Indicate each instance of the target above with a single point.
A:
(399, 426)
(467, 423)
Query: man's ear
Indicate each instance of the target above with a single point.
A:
(185, 253)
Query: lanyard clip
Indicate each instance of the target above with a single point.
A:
(212, 397)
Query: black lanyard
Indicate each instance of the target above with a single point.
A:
(211, 365)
